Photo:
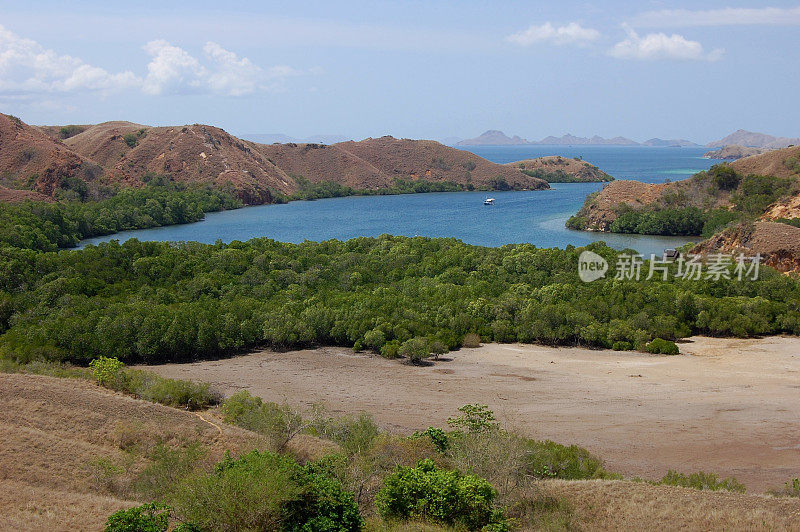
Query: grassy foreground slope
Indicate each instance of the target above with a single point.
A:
(55, 434)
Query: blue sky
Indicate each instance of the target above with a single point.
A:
(410, 69)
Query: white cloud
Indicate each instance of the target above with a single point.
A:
(174, 70)
(171, 69)
(572, 33)
(28, 67)
(719, 17)
(662, 46)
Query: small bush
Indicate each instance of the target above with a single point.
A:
(724, 177)
(790, 489)
(355, 434)
(621, 346)
(132, 139)
(471, 340)
(179, 393)
(662, 347)
(415, 350)
(701, 481)
(390, 349)
(474, 418)
(167, 467)
(69, 131)
(374, 339)
(278, 422)
(442, 496)
(547, 459)
(151, 517)
(107, 371)
(266, 491)
(437, 348)
(437, 436)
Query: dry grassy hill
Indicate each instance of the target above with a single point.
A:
(53, 432)
(430, 160)
(30, 159)
(41, 158)
(190, 154)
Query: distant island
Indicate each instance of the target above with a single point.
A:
(495, 137)
(557, 169)
(733, 152)
(752, 139)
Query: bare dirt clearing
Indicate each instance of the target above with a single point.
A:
(728, 406)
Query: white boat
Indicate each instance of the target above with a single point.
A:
(488, 201)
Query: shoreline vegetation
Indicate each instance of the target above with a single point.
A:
(702, 205)
(156, 302)
(48, 226)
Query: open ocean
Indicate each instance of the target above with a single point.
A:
(535, 217)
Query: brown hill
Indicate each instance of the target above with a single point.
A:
(778, 163)
(190, 154)
(778, 244)
(29, 159)
(555, 169)
(207, 154)
(430, 160)
(321, 162)
(600, 209)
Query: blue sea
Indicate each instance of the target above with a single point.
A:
(535, 217)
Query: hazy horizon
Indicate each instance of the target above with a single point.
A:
(417, 70)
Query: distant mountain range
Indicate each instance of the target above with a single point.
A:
(494, 137)
(754, 140)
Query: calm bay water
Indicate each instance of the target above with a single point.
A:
(535, 217)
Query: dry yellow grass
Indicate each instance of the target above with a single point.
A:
(625, 505)
(52, 429)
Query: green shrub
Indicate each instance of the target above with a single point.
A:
(132, 139)
(151, 517)
(354, 434)
(266, 491)
(437, 348)
(107, 371)
(790, 489)
(474, 418)
(390, 349)
(69, 131)
(621, 346)
(662, 347)
(724, 177)
(441, 496)
(180, 393)
(415, 350)
(701, 481)
(547, 459)
(280, 423)
(167, 467)
(437, 436)
(374, 339)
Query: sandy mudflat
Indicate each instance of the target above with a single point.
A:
(726, 405)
